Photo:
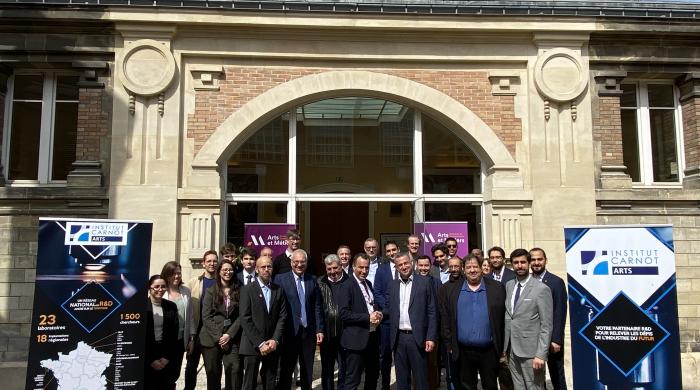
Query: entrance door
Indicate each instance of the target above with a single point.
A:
(336, 223)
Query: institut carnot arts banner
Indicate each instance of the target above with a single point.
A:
(623, 307)
(88, 324)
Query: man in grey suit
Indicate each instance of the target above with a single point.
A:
(528, 324)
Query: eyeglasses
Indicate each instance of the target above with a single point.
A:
(452, 245)
(227, 270)
(158, 288)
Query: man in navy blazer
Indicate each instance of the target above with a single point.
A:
(386, 273)
(306, 326)
(472, 311)
(360, 338)
(411, 313)
(555, 361)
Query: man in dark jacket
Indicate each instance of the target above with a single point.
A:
(330, 348)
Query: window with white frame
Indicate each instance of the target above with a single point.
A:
(651, 132)
(41, 127)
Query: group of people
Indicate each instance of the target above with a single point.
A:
(251, 315)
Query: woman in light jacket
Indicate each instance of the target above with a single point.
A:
(182, 297)
(220, 336)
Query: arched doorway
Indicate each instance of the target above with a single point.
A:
(345, 168)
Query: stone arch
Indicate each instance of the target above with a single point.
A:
(477, 135)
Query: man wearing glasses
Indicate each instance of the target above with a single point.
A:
(500, 272)
(451, 243)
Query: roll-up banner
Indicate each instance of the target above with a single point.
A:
(623, 307)
(434, 232)
(88, 323)
(272, 235)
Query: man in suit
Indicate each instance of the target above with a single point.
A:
(440, 265)
(375, 260)
(472, 310)
(283, 262)
(263, 314)
(360, 317)
(499, 271)
(345, 257)
(413, 242)
(451, 244)
(386, 273)
(555, 361)
(423, 266)
(411, 314)
(247, 274)
(528, 324)
(305, 325)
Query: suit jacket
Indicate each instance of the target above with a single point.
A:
(214, 315)
(239, 276)
(196, 291)
(382, 281)
(422, 310)
(508, 275)
(190, 330)
(353, 312)
(168, 347)
(449, 298)
(528, 329)
(257, 323)
(559, 305)
(314, 311)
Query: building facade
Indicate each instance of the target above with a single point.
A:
(349, 120)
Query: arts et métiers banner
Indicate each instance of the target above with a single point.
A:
(272, 235)
(434, 232)
(88, 327)
(623, 307)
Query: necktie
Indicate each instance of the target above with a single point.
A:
(250, 278)
(302, 302)
(517, 296)
(396, 273)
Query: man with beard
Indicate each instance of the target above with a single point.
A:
(555, 361)
(330, 348)
(263, 315)
(440, 254)
(528, 324)
(499, 272)
(471, 316)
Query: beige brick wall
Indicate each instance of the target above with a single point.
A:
(686, 236)
(241, 84)
(18, 236)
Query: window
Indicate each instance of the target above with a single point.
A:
(651, 131)
(41, 126)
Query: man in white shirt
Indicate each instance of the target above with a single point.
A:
(247, 274)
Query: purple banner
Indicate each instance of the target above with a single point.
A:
(434, 232)
(273, 235)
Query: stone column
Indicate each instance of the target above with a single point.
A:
(146, 136)
(690, 104)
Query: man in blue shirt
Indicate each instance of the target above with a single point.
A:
(472, 310)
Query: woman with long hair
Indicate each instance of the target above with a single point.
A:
(221, 333)
(182, 298)
(161, 337)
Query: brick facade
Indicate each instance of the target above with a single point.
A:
(691, 131)
(241, 84)
(607, 129)
(93, 124)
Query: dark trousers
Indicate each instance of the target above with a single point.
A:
(505, 378)
(300, 347)
(330, 353)
(410, 359)
(451, 371)
(366, 360)
(267, 366)
(555, 365)
(475, 362)
(192, 363)
(385, 355)
(163, 379)
(217, 360)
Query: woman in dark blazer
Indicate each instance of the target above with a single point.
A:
(161, 338)
(221, 332)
